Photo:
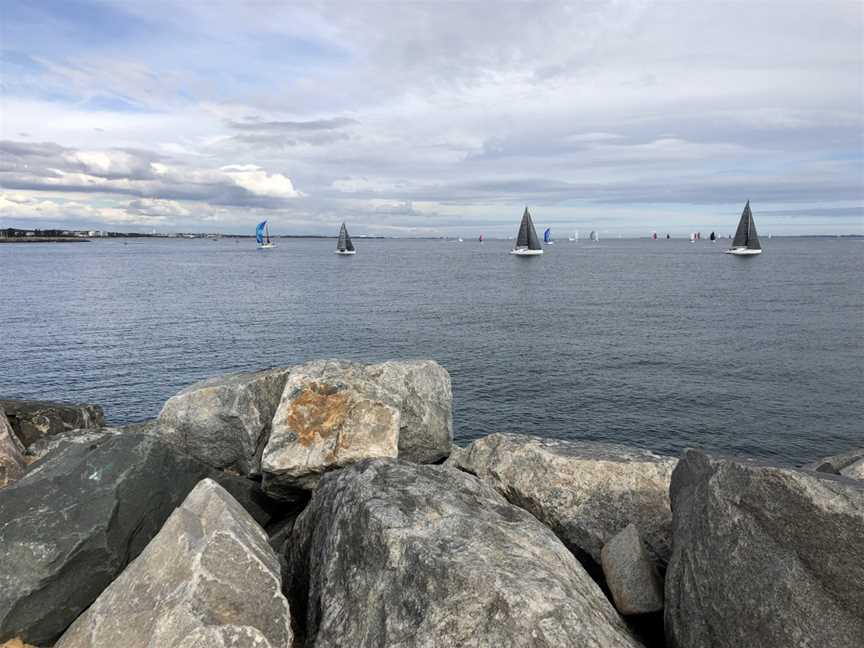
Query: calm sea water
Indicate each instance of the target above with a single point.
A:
(660, 344)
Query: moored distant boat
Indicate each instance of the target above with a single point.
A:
(262, 236)
(746, 241)
(547, 236)
(527, 243)
(344, 245)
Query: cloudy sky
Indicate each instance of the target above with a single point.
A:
(426, 119)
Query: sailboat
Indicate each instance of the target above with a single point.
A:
(746, 239)
(593, 236)
(575, 236)
(547, 236)
(481, 238)
(262, 236)
(693, 237)
(527, 243)
(713, 237)
(653, 236)
(344, 245)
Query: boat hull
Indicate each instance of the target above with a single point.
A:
(526, 252)
(742, 251)
(346, 252)
(265, 246)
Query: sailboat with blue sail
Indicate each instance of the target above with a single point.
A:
(547, 236)
(262, 236)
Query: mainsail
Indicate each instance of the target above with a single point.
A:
(527, 237)
(745, 235)
(344, 244)
(259, 232)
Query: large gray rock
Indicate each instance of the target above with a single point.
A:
(224, 421)
(632, 578)
(32, 420)
(854, 470)
(320, 426)
(836, 463)
(764, 556)
(11, 453)
(75, 520)
(208, 578)
(418, 389)
(395, 554)
(585, 492)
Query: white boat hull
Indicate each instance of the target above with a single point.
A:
(526, 252)
(346, 252)
(742, 251)
(265, 246)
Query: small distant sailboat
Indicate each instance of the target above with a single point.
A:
(594, 236)
(547, 236)
(262, 236)
(693, 237)
(575, 236)
(344, 245)
(460, 239)
(746, 241)
(481, 238)
(713, 237)
(653, 236)
(527, 243)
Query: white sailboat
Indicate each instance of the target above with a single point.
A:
(594, 236)
(575, 236)
(527, 243)
(746, 241)
(344, 246)
(262, 236)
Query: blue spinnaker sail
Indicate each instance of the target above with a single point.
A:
(259, 232)
(547, 235)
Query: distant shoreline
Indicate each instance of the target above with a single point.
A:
(44, 239)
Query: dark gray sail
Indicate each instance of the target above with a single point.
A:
(745, 235)
(344, 243)
(527, 237)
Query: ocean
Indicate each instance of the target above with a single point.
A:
(658, 344)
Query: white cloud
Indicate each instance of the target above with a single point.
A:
(257, 181)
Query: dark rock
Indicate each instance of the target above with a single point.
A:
(12, 462)
(764, 556)
(395, 554)
(585, 492)
(207, 579)
(632, 578)
(32, 420)
(75, 520)
(224, 421)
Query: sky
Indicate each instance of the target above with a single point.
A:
(431, 119)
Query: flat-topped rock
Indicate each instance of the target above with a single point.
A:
(393, 554)
(764, 556)
(585, 492)
(12, 463)
(418, 390)
(224, 421)
(208, 578)
(32, 420)
(75, 520)
(854, 470)
(323, 425)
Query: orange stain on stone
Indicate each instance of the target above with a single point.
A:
(317, 412)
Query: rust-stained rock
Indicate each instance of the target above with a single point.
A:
(322, 425)
(16, 643)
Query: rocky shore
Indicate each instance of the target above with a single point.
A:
(326, 505)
